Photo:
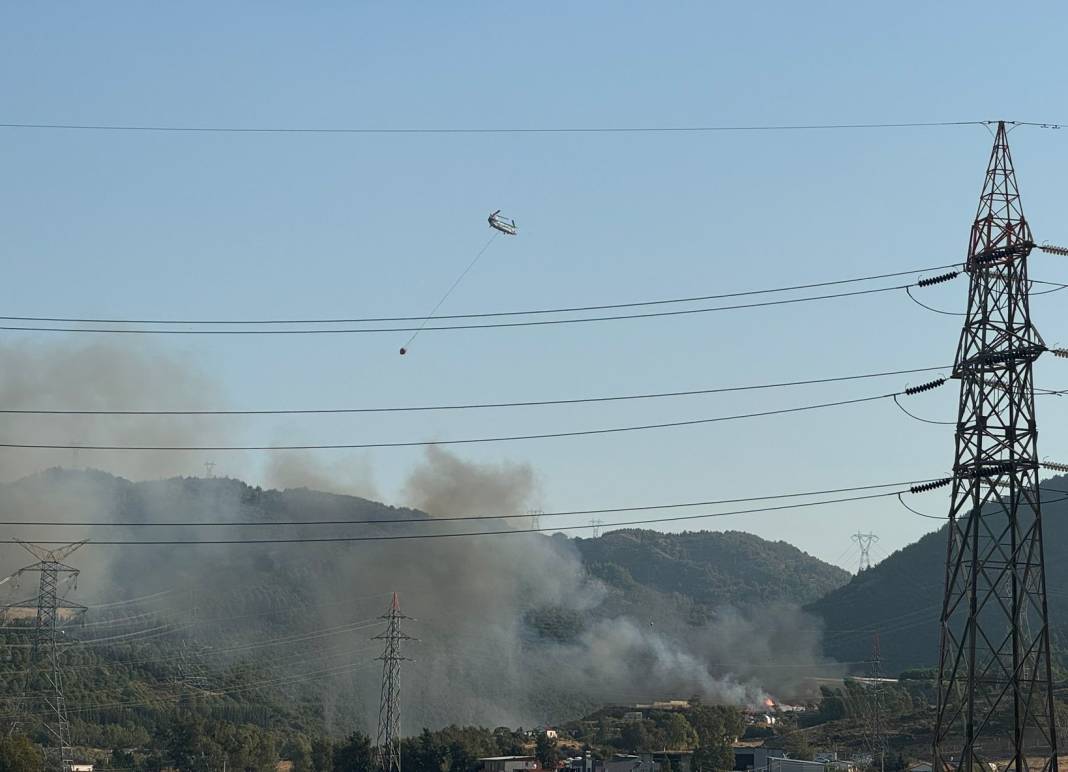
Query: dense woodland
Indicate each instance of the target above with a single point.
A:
(900, 597)
(191, 695)
(711, 568)
(184, 739)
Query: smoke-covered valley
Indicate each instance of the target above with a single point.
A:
(513, 628)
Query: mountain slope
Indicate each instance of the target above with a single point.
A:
(901, 597)
(516, 629)
(711, 567)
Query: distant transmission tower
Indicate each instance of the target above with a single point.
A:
(535, 519)
(596, 524)
(389, 712)
(864, 541)
(45, 670)
(995, 691)
(209, 469)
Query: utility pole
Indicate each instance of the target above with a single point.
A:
(995, 690)
(864, 541)
(389, 711)
(44, 669)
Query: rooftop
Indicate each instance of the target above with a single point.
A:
(507, 758)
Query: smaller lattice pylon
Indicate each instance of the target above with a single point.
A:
(45, 668)
(389, 713)
(878, 741)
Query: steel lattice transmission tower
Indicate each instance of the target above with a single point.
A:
(995, 696)
(878, 741)
(45, 670)
(389, 712)
(864, 541)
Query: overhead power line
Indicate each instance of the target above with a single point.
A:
(453, 518)
(470, 534)
(129, 601)
(944, 518)
(461, 441)
(440, 327)
(259, 643)
(483, 314)
(687, 129)
(224, 327)
(915, 417)
(471, 405)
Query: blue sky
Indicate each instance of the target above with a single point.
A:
(279, 225)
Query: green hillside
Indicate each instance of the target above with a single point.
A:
(523, 630)
(710, 567)
(901, 597)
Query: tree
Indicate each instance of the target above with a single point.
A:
(18, 754)
(298, 749)
(635, 737)
(716, 724)
(546, 752)
(832, 706)
(354, 755)
(121, 759)
(712, 758)
(796, 746)
(423, 753)
(679, 735)
(717, 727)
(189, 747)
(322, 755)
(509, 743)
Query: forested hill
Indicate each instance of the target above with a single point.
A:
(710, 567)
(520, 629)
(901, 597)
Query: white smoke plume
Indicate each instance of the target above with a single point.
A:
(480, 659)
(103, 376)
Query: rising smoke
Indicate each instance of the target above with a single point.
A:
(352, 475)
(479, 658)
(103, 376)
(444, 484)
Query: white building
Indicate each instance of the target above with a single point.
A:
(509, 763)
(794, 765)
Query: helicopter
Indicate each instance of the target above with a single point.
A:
(507, 227)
